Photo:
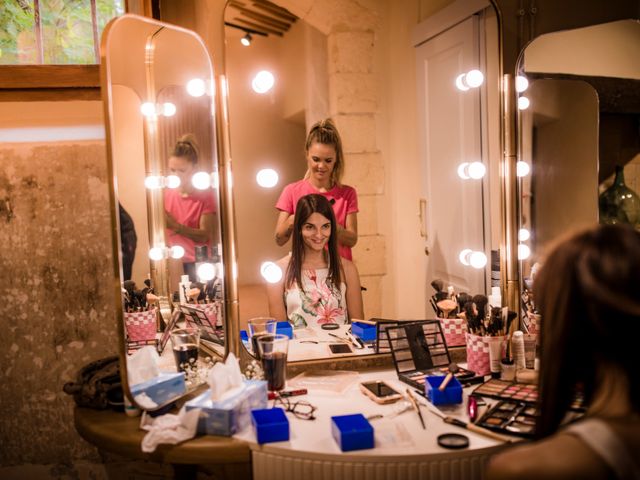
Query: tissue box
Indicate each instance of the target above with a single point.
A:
(284, 328)
(352, 432)
(364, 331)
(231, 415)
(163, 388)
(270, 425)
(451, 394)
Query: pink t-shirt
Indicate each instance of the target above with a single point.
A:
(346, 202)
(187, 211)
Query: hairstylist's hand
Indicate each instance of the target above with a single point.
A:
(171, 222)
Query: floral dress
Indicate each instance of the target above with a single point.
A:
(318, 304)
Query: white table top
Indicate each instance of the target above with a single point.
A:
(401, 436)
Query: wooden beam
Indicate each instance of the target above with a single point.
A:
(275, 23)
(258, 27)
(49, 76)
(275, 10)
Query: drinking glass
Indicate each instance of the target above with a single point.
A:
(273, 353)
(258, 327)
(185, 342)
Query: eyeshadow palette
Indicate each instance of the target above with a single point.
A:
(515, 418)
(519, 392)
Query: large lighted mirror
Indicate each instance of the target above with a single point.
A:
(158, 95)
(268, 133)
(579, 118)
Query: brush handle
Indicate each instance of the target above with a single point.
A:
(445, 382)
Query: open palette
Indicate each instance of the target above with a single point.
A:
(518, 392)
(196, 317)
(516, 418)
(419, 350)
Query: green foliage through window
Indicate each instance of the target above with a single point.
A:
(66, 33)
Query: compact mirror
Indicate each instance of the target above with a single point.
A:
(577, 126)
(157, 81)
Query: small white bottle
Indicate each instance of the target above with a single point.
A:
(183, 287)
(517, 343)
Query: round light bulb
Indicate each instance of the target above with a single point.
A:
(476, 170)
(523, 103)
(172, 181)
(263, 82)
(271, 272)
(201, 180)
(477, 259)
(148, 109)
(522, 169)
(523, 251)
(463, 256)
(463, 170)
(156, 253)
(153, 182)
(474, 78)
(168, 109)
(521, 83)
(206, 271)
(196, 87)
(523, 235)
(267, 178)
(460, 83)
(176, 251)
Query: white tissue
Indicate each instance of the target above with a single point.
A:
(225, 379)
(143, 365)
(169, 428)
(144, 401)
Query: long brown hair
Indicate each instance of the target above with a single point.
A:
(326, 132)
(307, 205)
(588, 294)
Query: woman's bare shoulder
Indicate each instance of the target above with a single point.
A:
(558, 457)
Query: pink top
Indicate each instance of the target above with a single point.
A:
(187, 210)
(346, 202)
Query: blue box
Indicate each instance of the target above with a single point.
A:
(364, 331)
(352, 432)
(231, 415)
(164, 388)
(284, 328)
(451, 394)
(270, 425)
(244, 336)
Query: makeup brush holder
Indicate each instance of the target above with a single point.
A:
(141, 326)
(454, 330)
(532, 321)
(478, 358)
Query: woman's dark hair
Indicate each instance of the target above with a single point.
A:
(186, 147)
(588, 295)
(325, 132)
(307, 205)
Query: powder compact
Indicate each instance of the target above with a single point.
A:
(515, 418)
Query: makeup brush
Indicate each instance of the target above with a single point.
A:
(438, 285)
(453, 369)
(446, 307)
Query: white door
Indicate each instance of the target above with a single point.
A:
(450, 133)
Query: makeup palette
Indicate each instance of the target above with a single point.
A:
(515, 418)
(519, 392)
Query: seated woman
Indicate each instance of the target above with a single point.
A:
(318, 286)
(588, 294)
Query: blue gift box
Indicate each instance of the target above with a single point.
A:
(161, 389)
(270, 425)
(232, 414)
(364, 331)
(352, 432)
(451, 394)
(284, 328)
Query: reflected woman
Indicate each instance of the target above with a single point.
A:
(189, 213)
(325, 166)
(318, 286)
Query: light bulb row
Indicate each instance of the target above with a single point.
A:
(471, 258)
(162, 252)
(150, 109)
(199, 180)
(472, 79)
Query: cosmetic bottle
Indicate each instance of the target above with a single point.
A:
(495, 299)
(183, 287)
(517, 344)
(508, 370)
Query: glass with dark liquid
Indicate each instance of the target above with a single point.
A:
(185, 343)
(257, 328)
(273, 354)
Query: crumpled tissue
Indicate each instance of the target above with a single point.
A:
(168, 428)
(143, 365)
(150, 386)
(225, 379)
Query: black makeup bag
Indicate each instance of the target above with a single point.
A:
(98, 385)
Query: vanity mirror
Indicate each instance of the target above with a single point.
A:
(581, 123)
(158, 94)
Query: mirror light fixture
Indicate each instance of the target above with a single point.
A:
(267, 178)
(246, 40)
(474, 170)
(196, 87)
(148, 109)
(168, 109)
(472, 258)
(523, 251)
(472, 79)
(523, 103)
(263, 82)
(154, 182)
(271, 272)
(521, 83)
(522, 169)
(524, 235)
(206, 271)
(201, 180)
(159, 253)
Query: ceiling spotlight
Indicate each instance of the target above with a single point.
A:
(246, 40)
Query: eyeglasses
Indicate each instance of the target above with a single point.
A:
(301, 409)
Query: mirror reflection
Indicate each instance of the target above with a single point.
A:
(578, 130)
(163, 156)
